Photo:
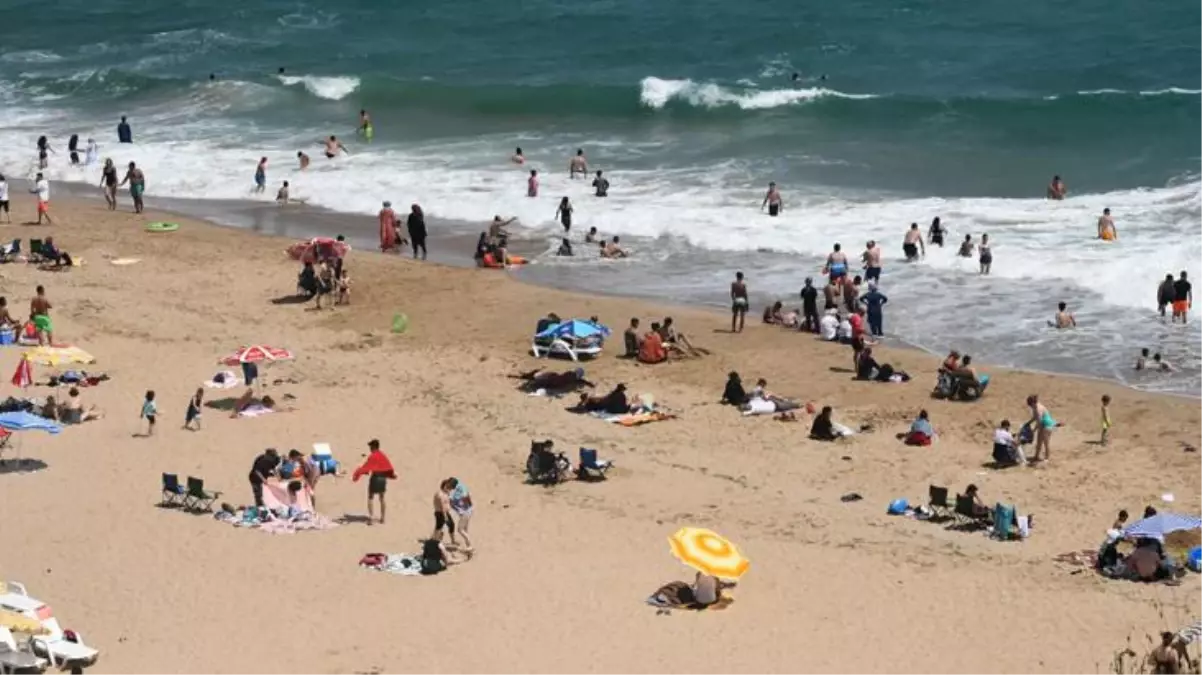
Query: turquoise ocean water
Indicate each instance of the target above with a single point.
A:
(961, 110)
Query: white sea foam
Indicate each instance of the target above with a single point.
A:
(1178, 91)
(332, 88)
(657, 93)
(31, 56)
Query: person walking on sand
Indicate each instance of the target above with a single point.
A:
(461, 504)
(986, 253)
(1183, 298)
(1043, 423)
(379, 471)
(1057, 190)
(738, 303)
(108, 181)
(194, 407)
(442, 511)
(388, 228)
(261, 176)
(150, 411)
(532, 184)
(1106, 229)
(564, 214)
(416, 223)
(874, 302)
(578, 165)
(137, 185)
(41, 188)
(8, 218)
(1106, 424)
(772, 200)
(39, 313)
(124, 133)
(912, 243)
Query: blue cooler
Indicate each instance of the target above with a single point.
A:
(8, 337)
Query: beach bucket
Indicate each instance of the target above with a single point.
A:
(1195, 558)
(8, 337)
(400, 323)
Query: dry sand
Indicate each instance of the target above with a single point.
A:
(561, 574)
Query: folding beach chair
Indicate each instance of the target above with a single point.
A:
(35, 250)
(967, 514)
(173, 493)
(940, 507)
(590, 467)
(196, 498)
(9, 252)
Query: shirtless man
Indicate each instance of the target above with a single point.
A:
(872, 261)
(39, 313)
(578, 165)
(836, 264)
(1106, 229)
(1057, 189)
(1064, 318)
(333, 147)
(613, 249)
(302, 159)
(442, 512)
(137, 185)
(518, 157)
(913, 245)
(281, 197)
(1165, 659)
(738, 303)
(772, 200)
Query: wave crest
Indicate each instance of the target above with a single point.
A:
(333, 88)
(657, 93)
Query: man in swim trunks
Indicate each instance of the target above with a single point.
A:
(1057, 189)
(738, 303)
(913, 244)
(600, 185)
(518, 157)
(137, 185)
(1165, 293)
(442, 511)
(836, 264)
(1064, 318)
(578, 165)
(872, 261)
(773, 200)
(39, 313)
(302, 159)
(613, 249)
(1106, 229)
(1183, 297)
(333, 147)
(261, 176)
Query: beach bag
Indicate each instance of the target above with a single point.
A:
(898, 506)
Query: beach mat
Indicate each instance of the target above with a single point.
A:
(669, 597)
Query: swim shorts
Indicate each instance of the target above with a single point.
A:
(136, 190)
(872, 274)
(1180, 306)
(442, 520)
(739, 306)
(910, 250)
(774, 209)
(4, 206)
(42, 323)
(377, 484)
(838, 270)
(43, 207)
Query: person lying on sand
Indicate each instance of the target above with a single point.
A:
(247, 400)
(553, 382)
(614, 403)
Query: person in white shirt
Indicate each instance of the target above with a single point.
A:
(1004, 444)
(92, 153)
(844, 333)
(41, 188)
(4, 200)
(828, 326)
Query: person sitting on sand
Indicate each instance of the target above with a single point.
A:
(979, 509)
(73, 411)
(1006, 449)
(677, 341)
(951, 363)
(436, 557)
(50, 409)
(613, 403)
(921, 432)
(772, 314)
(652, 349)
(823, 428)
(733, 393)
(633, 341)
(707, 590)
(306, 282)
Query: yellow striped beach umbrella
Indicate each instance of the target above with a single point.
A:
(708, 553)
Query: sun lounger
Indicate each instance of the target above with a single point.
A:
(174, 494)
(571, 349)
(15, 660)
(939, 504)
(11, 251)
(63, 653)
(592, 468)
(197, 498)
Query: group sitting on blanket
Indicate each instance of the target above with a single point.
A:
(867, 368)
(759, 401)
(1146, 562)
(659, 344)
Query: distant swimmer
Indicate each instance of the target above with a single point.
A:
(91, 153)
(43, 148)
(913, 244)
(124, 133)
(532, 184)
(1183, 297)
(986, 253)
(261, 176)
(936, 233)
(366, 130)
(302, 159)
(281, 197)
(333, 147)
(1106, 229)
(1064, 318)
(614, 248)
(1142, 361)
(591, 238)
(1160, 364)
(1165, 293)
(280, 71)
(73, 149)
(600, 185)
(518, 157)
(564, 214)
(578, 165)
(871, 258)
(773, 201)
(212, 77)
(836, 264)
(796, 77)
(1057, 189)
(966, 247)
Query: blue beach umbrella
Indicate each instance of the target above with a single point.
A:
(23, 421)
(1161, 524)
(574, 328)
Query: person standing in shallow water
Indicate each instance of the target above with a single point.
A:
(739, 303)
(772, 200)
(1057, 190)
(417, 230)
(986, 253)
(532, 184)
(564, 214)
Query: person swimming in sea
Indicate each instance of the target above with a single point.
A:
(518, 157)
(936, 233)
(613, 249)
(1106, 229)
(1057, 189)
(966, 247)
(333, 147)
(366, 130)
(281, 197)
(302, 159)
(1064, 318)
(591, 237)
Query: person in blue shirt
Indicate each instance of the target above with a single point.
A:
(874, 301)
(124, 133)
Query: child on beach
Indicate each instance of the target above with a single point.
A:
(149, 411)
(193, 414)
(344, 288)
(1105, 420)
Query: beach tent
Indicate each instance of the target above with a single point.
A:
(1161, 524)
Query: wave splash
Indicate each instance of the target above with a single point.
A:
(331, 88)
(656, 93)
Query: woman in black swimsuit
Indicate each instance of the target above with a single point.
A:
(108, 181)
(564, 214)
(935, 235)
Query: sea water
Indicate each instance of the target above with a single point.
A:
(900, 112)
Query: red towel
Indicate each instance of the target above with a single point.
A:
(377, 462)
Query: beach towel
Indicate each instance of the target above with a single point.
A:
(679, 595)
(635, 420)
(255, 410)
(228, 381)
(278, 514)
(376, 462)
(403, 564)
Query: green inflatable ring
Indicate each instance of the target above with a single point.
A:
(162, 227)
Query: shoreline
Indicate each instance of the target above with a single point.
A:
(455, 250)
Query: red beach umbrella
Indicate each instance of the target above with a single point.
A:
(23, 376)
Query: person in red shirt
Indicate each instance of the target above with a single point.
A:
(652, 348)
(379, 471)
(859, 339)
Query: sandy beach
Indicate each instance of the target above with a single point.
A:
(560, 575)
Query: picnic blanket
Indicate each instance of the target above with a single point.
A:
(279, 515)
(636, 419)
(255, 410)
(403, 564)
